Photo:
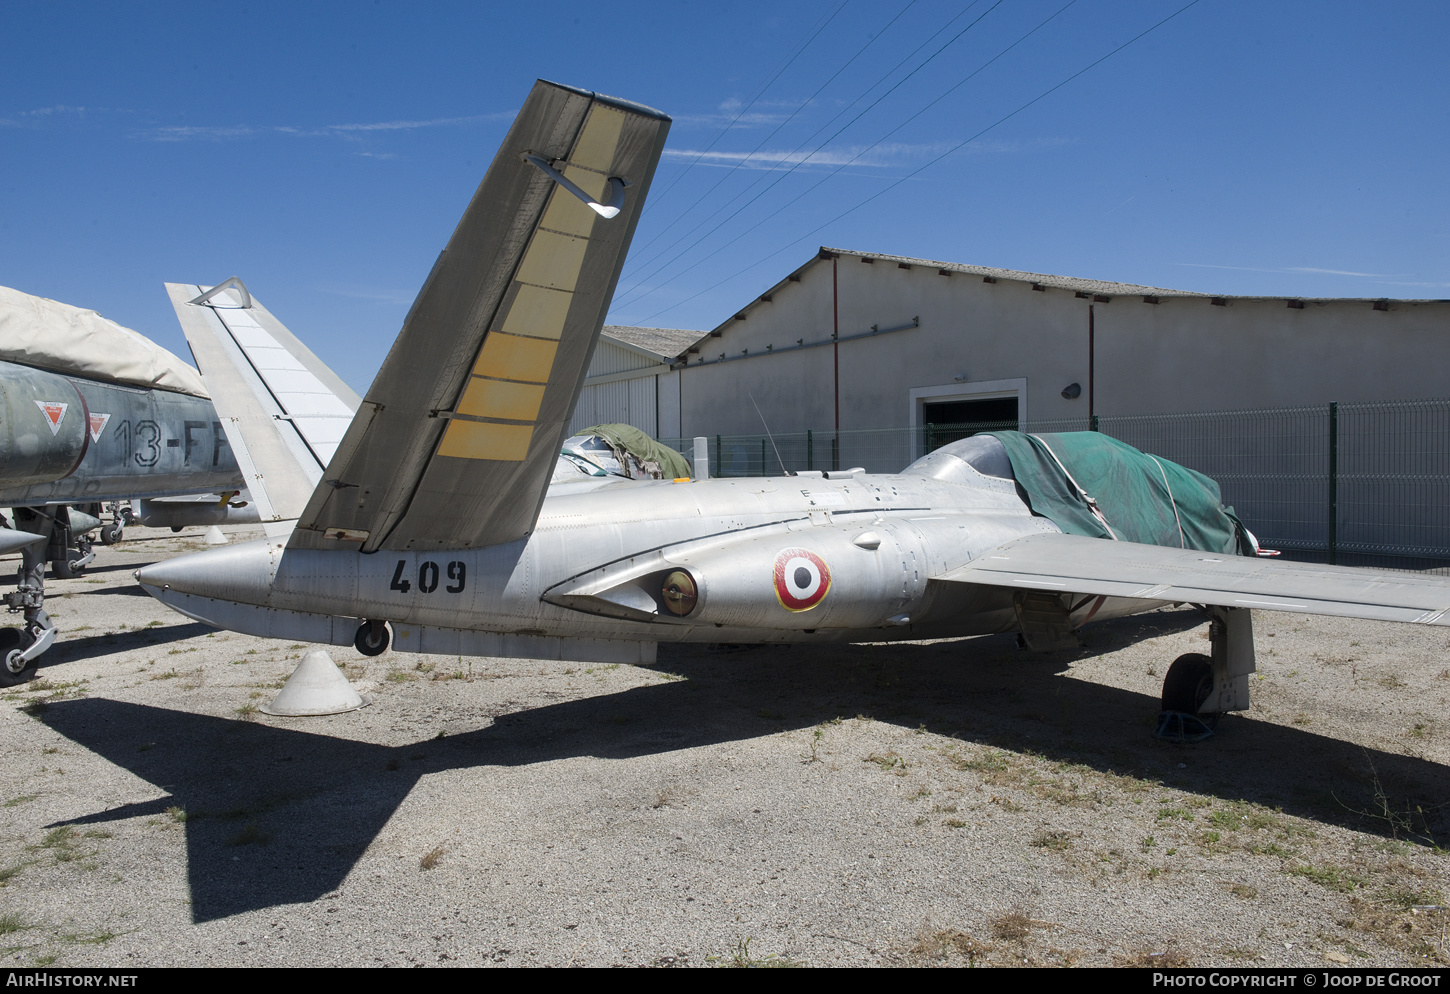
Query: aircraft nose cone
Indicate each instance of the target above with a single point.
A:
(237, 572)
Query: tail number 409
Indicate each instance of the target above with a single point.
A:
(428, 575)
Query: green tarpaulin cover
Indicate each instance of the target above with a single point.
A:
(628, 438)
(1142, 498)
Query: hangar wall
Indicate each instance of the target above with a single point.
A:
(988, 332)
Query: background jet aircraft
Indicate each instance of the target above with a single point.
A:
(432, 512)
(90, 413)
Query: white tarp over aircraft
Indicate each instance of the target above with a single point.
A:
(62, 338)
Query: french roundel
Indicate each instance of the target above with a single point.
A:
(802, 579)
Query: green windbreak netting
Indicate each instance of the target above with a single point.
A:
(1142, 498)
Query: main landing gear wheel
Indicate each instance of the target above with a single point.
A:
(1188, 683)
(111, 534)
(372, 638)
(13, 669)
(1185, 689)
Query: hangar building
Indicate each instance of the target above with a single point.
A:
(860, 340)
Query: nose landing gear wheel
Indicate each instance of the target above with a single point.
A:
(372, 638)
(14, 670)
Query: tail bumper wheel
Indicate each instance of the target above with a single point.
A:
(372, 638)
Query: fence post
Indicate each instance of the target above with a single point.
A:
(810, 450)
(1333, 482)
(1093, 422)
(763, 471)
(835, 450)
(719, 463)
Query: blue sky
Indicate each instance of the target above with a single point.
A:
(324, 152)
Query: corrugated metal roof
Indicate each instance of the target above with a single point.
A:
(667, 343)
(1102, 289)
(1073, 283)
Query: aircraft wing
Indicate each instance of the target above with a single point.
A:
(1079, 565)
(283, 410)
(456, 440)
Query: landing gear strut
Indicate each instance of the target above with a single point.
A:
(69, 552)
(1198, 689)
(20, 647)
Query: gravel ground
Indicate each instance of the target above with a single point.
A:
(947, 802)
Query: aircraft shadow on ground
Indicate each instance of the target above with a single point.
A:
(68, 647)
(280, 815)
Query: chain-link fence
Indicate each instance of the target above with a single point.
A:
(1357, 484)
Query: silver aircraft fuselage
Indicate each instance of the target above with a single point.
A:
(782, 559)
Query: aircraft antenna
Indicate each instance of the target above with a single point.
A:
(769, 435)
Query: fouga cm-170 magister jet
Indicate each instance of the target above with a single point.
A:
(427, 507)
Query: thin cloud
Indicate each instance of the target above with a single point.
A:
(57, 109)
(881, 155)
(1346, 272)
(751, 120)
(1312, 270)
(379, 294)
(180, 133)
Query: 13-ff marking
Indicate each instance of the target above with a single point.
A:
(428, 577)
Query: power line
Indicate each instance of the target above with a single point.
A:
(790, 61)
(792, 168)
(811, 189)
(731, 171)
(1001, 120)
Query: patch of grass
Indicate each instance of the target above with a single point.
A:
(1057, 841)
(947, 945)
(1165, 813)
(11, 922)
(1406, 898)
(58, 837)
(246, 711)
(1336, 878)
(15, 802)
(9, 872)
(890, 761)
(1013, 926)
(1170, 958)
(1244, 891)
(179, 815)
(399, 676)
(431, 858)
(991, 763)
(170, 674)
(1147, 842)
(954, 823)
(742, 958)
